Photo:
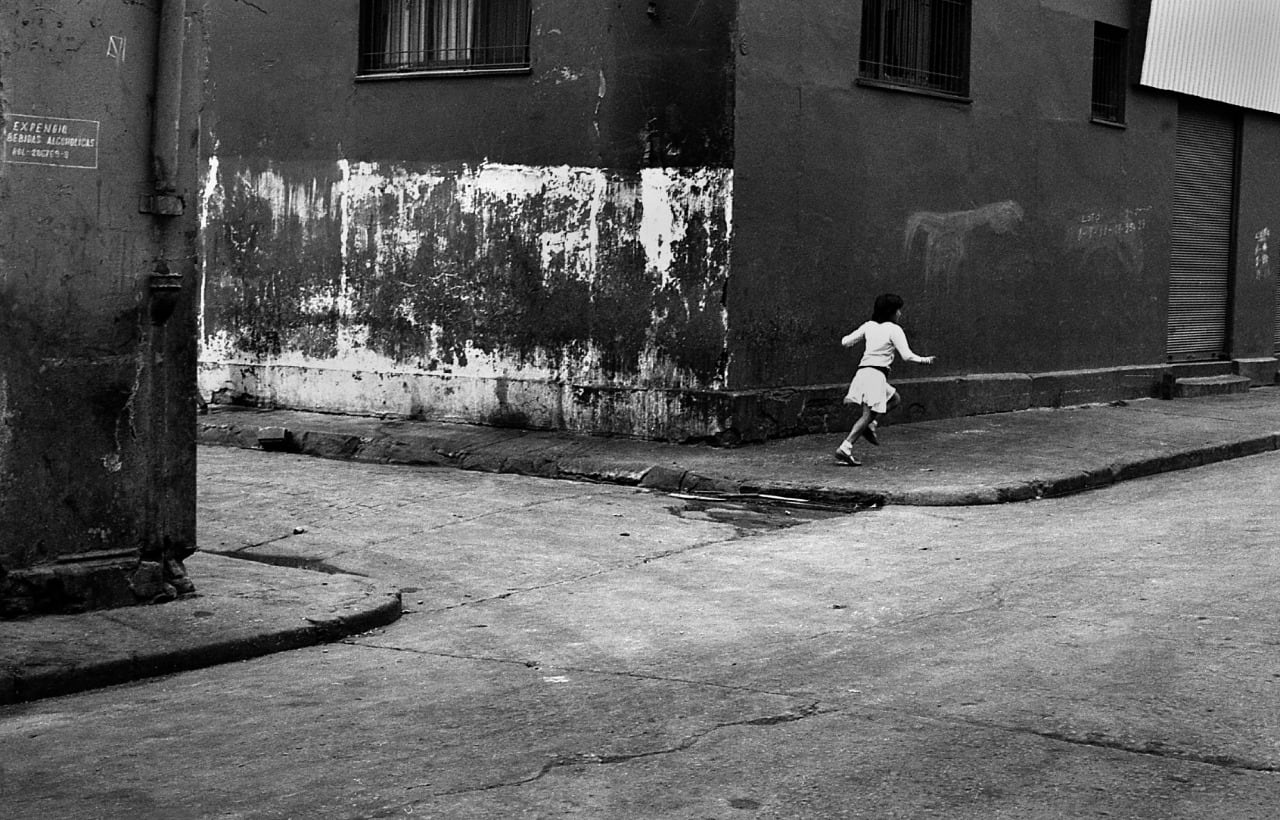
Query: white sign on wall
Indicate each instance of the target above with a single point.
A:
(32, 140)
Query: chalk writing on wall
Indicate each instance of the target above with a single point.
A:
(1117, 234)
(31, 140)
(1262, 254)
(947, 236)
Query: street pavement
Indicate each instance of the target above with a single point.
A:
(580, 649)
(244, 609)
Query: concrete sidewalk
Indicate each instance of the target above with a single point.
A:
(243, 609)
(973, 460)
(240, 610)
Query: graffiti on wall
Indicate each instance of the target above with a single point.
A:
(1262, 255)
(1103, 235)
(946, 237)
(496, 274)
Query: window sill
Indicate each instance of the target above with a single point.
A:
(419, 73)
(911, 89)
(1109, 123)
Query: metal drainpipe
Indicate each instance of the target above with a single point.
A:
(165, 282)
(168, 110)
(166, 125)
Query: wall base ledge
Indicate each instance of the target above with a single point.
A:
(667, 414)
(773, 413)
(84, 583)
(1259, 370)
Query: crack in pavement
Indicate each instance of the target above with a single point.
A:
(591, 759)
(1093, 740)
(1156, 748)
(234, 553)
(997, 602)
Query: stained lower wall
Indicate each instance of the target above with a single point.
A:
(547, 297)
(97, 351)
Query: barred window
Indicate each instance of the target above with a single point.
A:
(922, 44)
(1110, 68)
(444, 36)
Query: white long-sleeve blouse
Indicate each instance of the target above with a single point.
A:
(883, 339)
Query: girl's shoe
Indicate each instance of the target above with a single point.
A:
(869, 433)
(845, 456)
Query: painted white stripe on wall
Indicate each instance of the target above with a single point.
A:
(1222, 50)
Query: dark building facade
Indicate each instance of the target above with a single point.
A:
(658, 219)
(97, 320)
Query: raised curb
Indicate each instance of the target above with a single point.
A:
(670, 479)
(21, 681)
(579, 458)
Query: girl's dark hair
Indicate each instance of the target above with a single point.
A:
(887, 304)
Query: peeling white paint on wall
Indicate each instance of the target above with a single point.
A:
(6, 431)
(670, 200)
(209, 198)
(601, 89)
(381, 211)
(562, 74)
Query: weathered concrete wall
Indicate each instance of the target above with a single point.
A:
(97, 457)
(496, 293)
(1256, 286)
(1023, 237)
(506, 249)
(546, 250)
(609, 87)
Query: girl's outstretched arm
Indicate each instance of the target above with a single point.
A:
(899, 340)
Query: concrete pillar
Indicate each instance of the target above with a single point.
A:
(97, 352)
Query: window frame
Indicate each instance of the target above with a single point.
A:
(373, 47)
(930, 39)
(1110, 78)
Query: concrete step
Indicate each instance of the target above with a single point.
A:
(1196, 386)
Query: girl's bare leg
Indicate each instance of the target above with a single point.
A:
(869, 432)
(868, 416)
(845, 451)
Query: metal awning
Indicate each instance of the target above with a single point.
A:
(1225, 50)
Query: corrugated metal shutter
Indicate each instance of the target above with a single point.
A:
(1200, 265)
(1278, 314)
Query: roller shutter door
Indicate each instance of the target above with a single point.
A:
(1202, 234)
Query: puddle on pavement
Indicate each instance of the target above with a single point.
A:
(754, 514)
(291, 562)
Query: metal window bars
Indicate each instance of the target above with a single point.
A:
(443, 35)
(1110, 70)
(917, 44)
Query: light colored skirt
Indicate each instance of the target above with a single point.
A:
(870, 388)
